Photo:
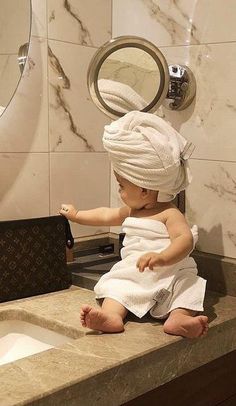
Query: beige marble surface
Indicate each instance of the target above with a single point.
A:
(129, 364)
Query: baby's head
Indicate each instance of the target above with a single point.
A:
(149, 153)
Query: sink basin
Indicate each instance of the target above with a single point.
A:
(19, 339)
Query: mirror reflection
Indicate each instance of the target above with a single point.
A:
(128, 79)
(15, 23)
(128, 73)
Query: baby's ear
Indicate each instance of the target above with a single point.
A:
(149, 193)
(145, 192)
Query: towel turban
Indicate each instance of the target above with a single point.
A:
(120, 97)
(147, 151)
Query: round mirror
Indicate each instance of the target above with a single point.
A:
(128, 73)
(15, 25)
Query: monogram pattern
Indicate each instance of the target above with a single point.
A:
(33, 257)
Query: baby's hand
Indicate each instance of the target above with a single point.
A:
(68, 211)
(149, 260)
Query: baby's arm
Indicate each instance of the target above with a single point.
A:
(102, 216)
(181, 243)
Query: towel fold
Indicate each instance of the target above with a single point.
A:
(120, 97)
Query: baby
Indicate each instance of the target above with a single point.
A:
(155, 274)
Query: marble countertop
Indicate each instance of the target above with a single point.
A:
(106, 369)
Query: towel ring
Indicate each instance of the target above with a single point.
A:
(130, 73)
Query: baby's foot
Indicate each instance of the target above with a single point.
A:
(97, 319)
(186, 326)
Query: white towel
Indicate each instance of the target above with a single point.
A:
(120, 97)
(147, 151)
(161, 290)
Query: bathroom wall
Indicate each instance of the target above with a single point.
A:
(202, 35)
(50, 135)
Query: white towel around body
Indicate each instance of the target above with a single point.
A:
(159, 291)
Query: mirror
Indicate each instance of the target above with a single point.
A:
(130, 73)
(15, 26)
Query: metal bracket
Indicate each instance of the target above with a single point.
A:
(182, 87)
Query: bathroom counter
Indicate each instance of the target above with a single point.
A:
(106, 369)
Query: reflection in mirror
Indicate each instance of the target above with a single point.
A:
(132, 71)
(128, 73)
(15, 24)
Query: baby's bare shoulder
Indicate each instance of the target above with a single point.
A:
(170, 212)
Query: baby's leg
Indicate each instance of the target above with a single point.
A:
(186, 323)
(108, 319)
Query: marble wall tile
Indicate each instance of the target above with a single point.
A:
(175, 22)
(39, 18)
(24, 124)
(80, 22)
(81, 179)
(210, 121)
(211, 202)
(75, 122)
(24, 180)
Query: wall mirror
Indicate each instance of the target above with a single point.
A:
(15, 27)
(130, 73)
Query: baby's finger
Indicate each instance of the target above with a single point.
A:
(143, 264)
(140, 264)
(150, 265)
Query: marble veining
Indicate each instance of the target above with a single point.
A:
(52, 16)
(226, 189)
(231, 106)
(60, 100)
(176, 30)
(58, 69)
(232, 237)
(85, 38)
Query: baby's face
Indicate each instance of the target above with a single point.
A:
(130, 194)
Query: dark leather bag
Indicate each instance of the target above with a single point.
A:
(33, 257)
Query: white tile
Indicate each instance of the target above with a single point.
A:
(210, 121)
(168, 22)
(76, 124)
(81, 179)
(24, 190)
(39, 18)
(80, 22)
(24, 124)
(210, 204)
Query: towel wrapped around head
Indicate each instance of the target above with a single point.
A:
(147, 151)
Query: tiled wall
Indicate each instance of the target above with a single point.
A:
(50, 135)
(201, 34)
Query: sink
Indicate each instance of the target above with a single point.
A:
(19, 339)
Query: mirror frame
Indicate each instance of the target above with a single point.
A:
(116, 44)
(19, 56)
